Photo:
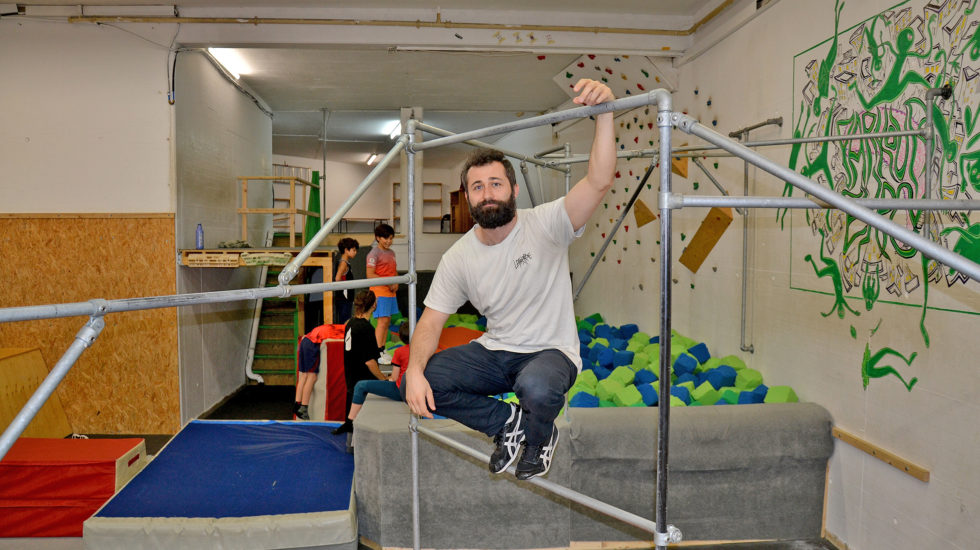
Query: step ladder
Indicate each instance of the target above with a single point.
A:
(279, 331)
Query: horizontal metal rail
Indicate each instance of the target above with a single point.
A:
(676, 200)
(550, 486)
(828, 196)
(631, 102)
(485, 145)
(100, 307)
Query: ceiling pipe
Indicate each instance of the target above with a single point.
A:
(418, 24)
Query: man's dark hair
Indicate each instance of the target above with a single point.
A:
(483, 157)
(383, 231)
(346, 244)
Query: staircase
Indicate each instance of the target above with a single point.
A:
(280, 328)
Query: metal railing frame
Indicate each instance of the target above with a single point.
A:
(666, 120)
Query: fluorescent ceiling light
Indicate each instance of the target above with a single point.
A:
(394, 129)
(231, 60)
(371, 159)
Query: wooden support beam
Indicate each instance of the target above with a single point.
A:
(893, 460)
(708, 235)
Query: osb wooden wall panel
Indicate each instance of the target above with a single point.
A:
(127, 382)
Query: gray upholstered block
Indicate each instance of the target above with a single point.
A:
(462, 505)
(737, 472)
(741, 472)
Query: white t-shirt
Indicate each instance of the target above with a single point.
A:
(521, 284)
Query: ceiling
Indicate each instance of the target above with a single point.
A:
(335, 83)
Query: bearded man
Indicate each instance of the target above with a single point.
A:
(513, 267)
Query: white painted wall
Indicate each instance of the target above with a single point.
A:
(221, 135)
(84, 120)
(871, 505)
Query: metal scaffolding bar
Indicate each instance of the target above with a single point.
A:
(677, 200)
(615, 228)
(927, 247)
(574, 496)
(85, 337)
(292, 268)
(520, 156)
(631, 102)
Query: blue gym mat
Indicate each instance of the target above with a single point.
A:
(234, 469)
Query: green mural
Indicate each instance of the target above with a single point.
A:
(871, 78)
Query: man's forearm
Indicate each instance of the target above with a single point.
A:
(602, 158)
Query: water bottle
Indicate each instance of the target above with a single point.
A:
(199, 239)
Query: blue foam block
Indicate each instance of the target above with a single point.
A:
(603, 331)
(621, 358)
(618, 343)
(722, 402)
(643, 376)
(594, 352)
(761, 390)
(649, 394)
(605, 357)
(681, 393)
(629, 330)
(687, 377)
(582, 399)
(601, 372)
(700, 352)
(748, 397)
(655, 339)
(584, 336)
(685, 364)
(583, 351)
(721, 376)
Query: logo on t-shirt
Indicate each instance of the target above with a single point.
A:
(523, 260)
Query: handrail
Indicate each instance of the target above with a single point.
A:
(828, 196)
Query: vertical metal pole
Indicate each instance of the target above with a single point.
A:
(568, 173)
(663, 433)
(83, 339)
(410, 199)
(531, 193)
(745, 255)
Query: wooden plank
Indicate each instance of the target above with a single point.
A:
(21, 372)
(708, 235)
(888, 457)
(642, 213)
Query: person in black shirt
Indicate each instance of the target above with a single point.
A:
(360, 350)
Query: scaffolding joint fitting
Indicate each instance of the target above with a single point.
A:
(88, 333)
(285, 291)
(665, 118)
(672, 536)
(413, 423)
(673, 201)
(100, 307)
(682, 121)
(287, 274)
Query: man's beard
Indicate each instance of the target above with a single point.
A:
(491, 218)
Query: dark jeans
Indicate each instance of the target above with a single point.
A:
(462, 379)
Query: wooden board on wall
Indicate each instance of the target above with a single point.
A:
(127, 381)
(21, 372)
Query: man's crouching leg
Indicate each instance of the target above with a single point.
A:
(541, 387)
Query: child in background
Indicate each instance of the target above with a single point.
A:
(342, 298)
(360, 349)
(308, 361)
(381, 263)
(386, 388)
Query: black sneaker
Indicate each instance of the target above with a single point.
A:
(536, 459)
(508, 441)
(303, 413)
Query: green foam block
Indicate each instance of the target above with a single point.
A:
(587, 379)
(602, 341)
(636, 347)
(629, 396)
(748, 379)
(606, 403)
(584, 325)
(689, 385)
(623, 374)
(677, 401)
(607, 388)
(729, 395)
(781, 394)
(652, 351)
(706, 394)
(711, 363)
(595, 318)
(640, 361)
(640, 337)
(733, 362)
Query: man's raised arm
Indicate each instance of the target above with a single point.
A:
(425, 340)
(584, 198)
